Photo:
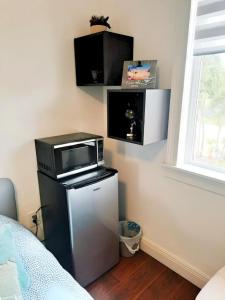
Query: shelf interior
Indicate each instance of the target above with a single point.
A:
(125, 108)
(89, 62)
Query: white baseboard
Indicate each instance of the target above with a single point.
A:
(175, 263)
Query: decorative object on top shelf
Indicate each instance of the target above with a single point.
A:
(139, 74)
(99, 23)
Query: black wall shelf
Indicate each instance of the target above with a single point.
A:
(99, 58)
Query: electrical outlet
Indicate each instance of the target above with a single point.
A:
(30, 223)
(36, 219)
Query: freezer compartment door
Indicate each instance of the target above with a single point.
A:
(93, 217)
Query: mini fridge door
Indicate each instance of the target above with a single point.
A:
(93, 218)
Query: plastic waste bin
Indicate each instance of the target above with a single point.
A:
(130, 236)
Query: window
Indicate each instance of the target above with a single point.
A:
(202, 137)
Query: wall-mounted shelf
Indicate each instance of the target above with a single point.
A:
(146, 109)
(99, 58)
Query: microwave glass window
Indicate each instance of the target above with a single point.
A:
(77, 157)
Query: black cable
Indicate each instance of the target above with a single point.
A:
(35, 218)
(36, 232)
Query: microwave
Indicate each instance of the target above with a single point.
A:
(65, 155)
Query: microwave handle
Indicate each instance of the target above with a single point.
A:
(73, 143)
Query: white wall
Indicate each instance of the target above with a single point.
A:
(180, 220)
(38, 98)
(38, 95)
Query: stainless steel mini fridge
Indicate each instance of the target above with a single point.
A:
(80, 220)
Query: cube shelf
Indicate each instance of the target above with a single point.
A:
(138, 116)
(99, 58)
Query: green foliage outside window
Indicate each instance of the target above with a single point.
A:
(210, 131)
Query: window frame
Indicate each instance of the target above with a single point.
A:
(175, 166)
(192, 112)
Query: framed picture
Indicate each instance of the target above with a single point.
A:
(139, 74)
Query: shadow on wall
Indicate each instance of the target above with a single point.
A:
(95, 92)
(108, 157)
(147, 152)
(22, 170)
(23, 156)
(131, 171)
(122, 201)
(121, 188)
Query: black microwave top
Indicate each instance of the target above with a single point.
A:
(69, 138)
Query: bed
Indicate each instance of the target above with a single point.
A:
(46, 279)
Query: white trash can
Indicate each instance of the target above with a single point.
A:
(130, 236)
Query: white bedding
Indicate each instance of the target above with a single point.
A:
(9, 281)
(48, 280)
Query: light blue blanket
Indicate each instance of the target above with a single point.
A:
(48, 280)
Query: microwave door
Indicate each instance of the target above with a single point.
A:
(75, 159)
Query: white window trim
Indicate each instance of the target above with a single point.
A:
(186, 156)
(204, 179)
(196, 177)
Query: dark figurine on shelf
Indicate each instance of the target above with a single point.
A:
(101, 20)
(130, 115)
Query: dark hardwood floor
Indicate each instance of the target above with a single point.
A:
(141, 277)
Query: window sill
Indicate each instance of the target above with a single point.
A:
(198, 177)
